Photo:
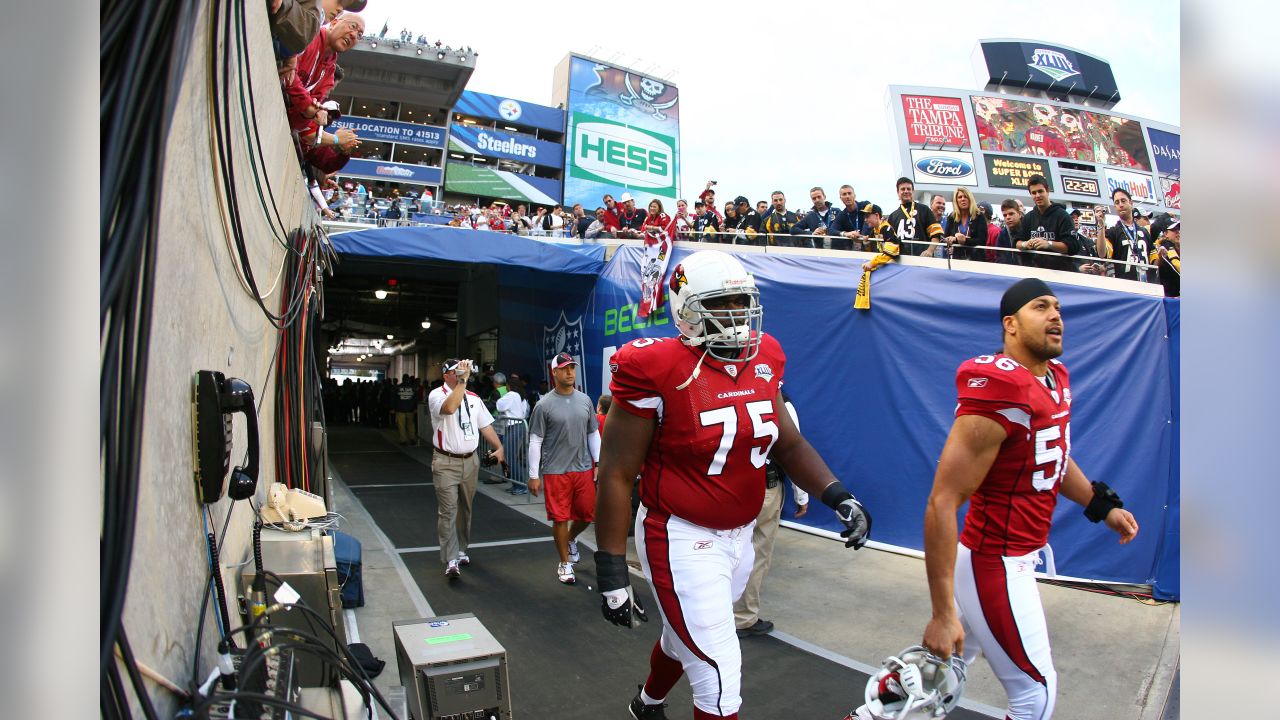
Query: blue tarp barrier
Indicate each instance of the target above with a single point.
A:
(472, 246)
(875, 390)
(1168, 577)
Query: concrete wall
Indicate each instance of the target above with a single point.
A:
(204, 319)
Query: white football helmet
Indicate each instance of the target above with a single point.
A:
(915, 684)
(730, 335)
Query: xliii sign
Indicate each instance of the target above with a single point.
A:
(618, 154)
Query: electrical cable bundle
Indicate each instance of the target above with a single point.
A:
(298, 386)
(307, 252)
(265, 641)
(144, 47)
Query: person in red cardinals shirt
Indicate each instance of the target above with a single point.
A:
(314, 73)
(1008, 456)
(708, 198)
(697, 417)
(630, 218)
(657, 220)
(611, 211)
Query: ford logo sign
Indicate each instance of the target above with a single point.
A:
(944, 167)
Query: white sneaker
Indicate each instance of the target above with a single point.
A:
(451, 570)
(564, 572)
(573, 551)
(464, 559)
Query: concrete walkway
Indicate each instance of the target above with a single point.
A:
(1116, 657)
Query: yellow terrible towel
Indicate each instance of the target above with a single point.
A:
(862, 301)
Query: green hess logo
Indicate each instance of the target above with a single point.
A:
(618, 154)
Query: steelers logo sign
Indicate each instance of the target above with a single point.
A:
(509, 110)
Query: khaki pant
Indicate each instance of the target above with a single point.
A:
(404, 423)
(455, 484)
(746, 609)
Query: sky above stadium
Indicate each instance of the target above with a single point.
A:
(788, 96)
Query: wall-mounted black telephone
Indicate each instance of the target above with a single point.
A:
(214, 397)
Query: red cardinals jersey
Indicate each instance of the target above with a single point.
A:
(1046, 140)
(1011, 511)
(706, 462)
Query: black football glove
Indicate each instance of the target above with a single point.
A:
(857, 522)
(623, 608)
(618, 604)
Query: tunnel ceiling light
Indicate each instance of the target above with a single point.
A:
(426, 324)
(390, 336)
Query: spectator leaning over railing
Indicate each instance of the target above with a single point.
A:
(1126, 240)
(657, 220)
(938, 205)
(746, 222)
(555, 222)
(598, 228)
(314, 76)
(913, 221)
(295, 23)
(611, 211)
(965, 228)
(778, 222)
(1166, 254)
(540, 223)
(630, 218)
(995, 235)
(580, 221)
(705, 222)
(1047, 228)
(520, 223)
(1087, 247)
(682, 222)
(819, 221)
(878, 230)
(1012, 211)
(708, 197)
(848, 233)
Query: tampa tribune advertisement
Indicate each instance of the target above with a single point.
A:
(1059, 131)
(624, 136)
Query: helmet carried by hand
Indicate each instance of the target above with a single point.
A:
(915, 684)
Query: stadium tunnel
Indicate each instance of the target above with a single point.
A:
(403, 299)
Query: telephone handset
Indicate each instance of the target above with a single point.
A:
(214, 398)
(291, 507)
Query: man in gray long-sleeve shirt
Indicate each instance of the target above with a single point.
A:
(564, 445)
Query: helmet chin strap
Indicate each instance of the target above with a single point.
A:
(697, 369)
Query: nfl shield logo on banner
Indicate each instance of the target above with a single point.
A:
(563, 337)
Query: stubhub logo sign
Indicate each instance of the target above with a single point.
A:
(617, 154)
(943, 167)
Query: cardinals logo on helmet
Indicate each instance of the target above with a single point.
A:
(678, 280)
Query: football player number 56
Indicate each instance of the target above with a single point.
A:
(1050, 452)
(727, 418)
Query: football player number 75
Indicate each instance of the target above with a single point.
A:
(727, 417)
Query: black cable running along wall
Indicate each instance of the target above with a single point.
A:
(144, 49)
(144, 45)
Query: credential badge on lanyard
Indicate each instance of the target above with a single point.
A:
(467, 425)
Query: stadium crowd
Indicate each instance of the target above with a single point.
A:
(1138, 245)
(309, 38)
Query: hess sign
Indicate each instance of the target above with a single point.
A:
(620, 154)
(1079, 185)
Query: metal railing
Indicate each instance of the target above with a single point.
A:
(514, 433)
